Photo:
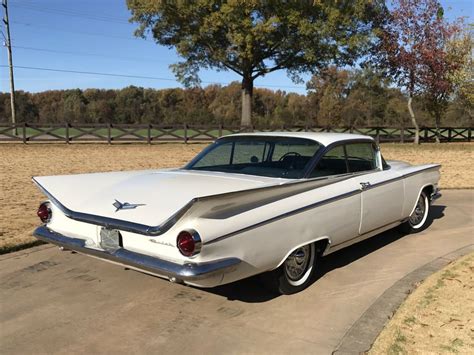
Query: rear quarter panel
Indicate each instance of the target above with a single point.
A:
(416, 179)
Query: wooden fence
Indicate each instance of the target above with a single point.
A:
(150, 133)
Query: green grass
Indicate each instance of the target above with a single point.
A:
(397, 346)
(452, 347)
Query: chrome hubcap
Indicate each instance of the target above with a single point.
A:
(419, 212)
(297, 263)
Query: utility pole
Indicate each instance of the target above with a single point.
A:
(8, 44)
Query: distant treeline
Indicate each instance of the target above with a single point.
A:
(339, 98)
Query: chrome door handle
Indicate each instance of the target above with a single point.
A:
(364, 185)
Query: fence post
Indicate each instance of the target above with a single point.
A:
(377, 135)
(109, 133)
(185, 133)
(148, 134)
(449, 134)
(425, 134)
(24, 132)
(351, 129)
(67, 132)
(469, 134)
(220, 130)
(402, 134)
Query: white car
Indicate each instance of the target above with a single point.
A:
(259, 203)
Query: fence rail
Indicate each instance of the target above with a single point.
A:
(150, 133)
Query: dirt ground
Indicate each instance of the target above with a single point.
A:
(19, 197)
(437, 318)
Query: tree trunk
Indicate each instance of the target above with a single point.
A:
(247, 94)
(437, 124)
(413, 120)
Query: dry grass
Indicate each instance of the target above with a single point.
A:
(456, 160)
(18, 163)
(19, 197)
(437, 318)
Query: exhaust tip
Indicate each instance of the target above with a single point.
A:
(175, 280)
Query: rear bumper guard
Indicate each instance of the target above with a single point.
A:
(176, 272)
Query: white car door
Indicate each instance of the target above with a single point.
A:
(341, 217)
(382, 190)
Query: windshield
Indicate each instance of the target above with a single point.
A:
(279, 157)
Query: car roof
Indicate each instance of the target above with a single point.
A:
(324, 138)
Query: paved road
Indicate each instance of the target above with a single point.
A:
(58, 302)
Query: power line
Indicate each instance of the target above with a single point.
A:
(91, 73)
(70, 13)
(47, 50)
(41, 6)
(138, 76)
(76, 32)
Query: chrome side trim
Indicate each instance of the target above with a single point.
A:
(138, 228)
(187, 271)
(314, 205)
(112, 223)
(284, 215)
(364, 236)
(401, 177)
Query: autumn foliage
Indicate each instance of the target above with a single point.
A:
(413, 48)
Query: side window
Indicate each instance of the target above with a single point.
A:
(332, 163)
(249, 152)
(360, 157)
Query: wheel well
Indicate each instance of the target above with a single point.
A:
(321, 246)
(428, 190)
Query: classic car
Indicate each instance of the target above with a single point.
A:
(257, 203)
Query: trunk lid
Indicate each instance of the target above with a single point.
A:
(156, 194)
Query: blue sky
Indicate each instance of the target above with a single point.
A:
(95, 36)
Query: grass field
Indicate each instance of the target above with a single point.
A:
(19, 198)
(438, 318)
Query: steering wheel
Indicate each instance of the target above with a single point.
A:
(289, 154)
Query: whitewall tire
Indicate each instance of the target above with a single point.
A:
(297, 271)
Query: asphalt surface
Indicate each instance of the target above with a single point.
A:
(58, 302)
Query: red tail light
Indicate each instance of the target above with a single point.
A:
(189, 242)
(44, 212)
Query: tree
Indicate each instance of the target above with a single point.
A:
(329, 90)
(440, 66)
(412, 48)
(460, 49)
(254, 38)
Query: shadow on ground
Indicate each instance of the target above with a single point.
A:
(251, 290)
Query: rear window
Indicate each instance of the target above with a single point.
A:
(263, 156)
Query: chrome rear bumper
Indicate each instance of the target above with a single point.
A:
(176, 272)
